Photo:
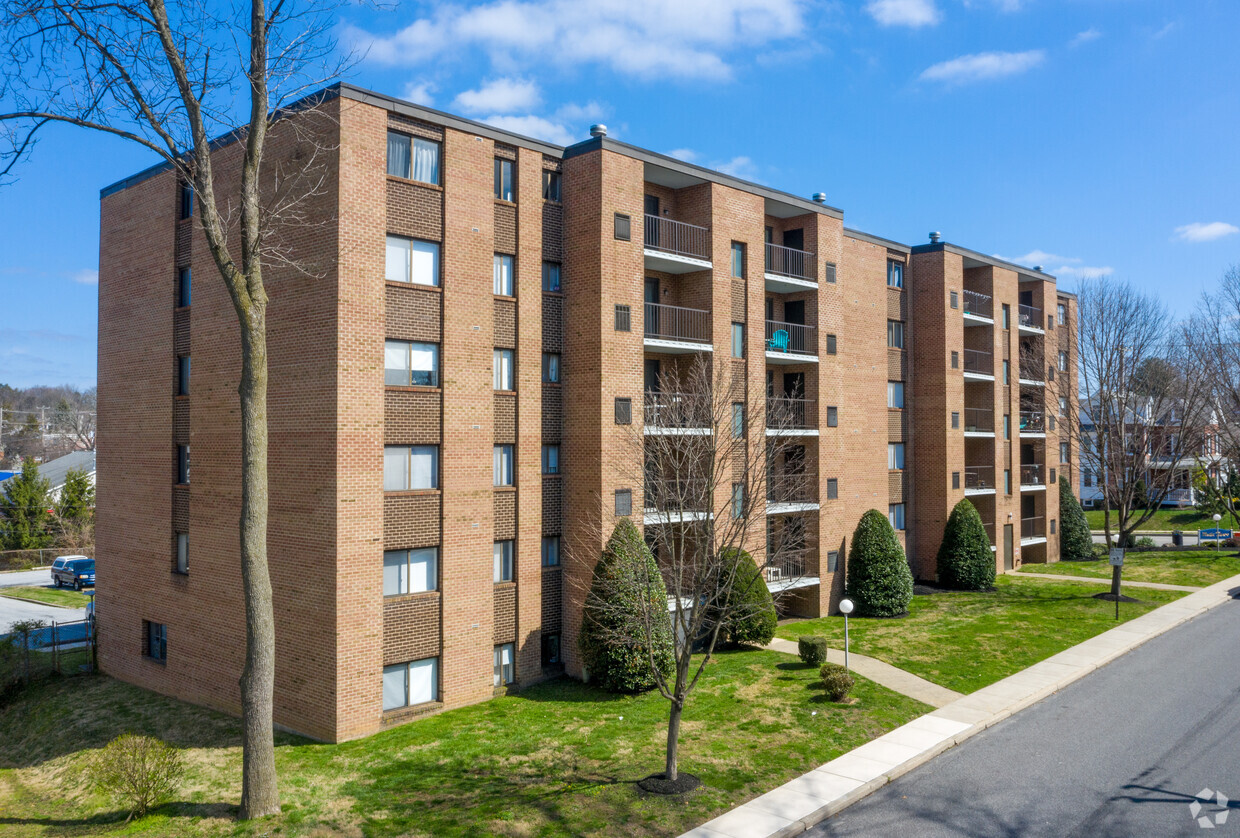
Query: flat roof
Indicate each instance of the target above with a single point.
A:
(937, 247)
(878, 240)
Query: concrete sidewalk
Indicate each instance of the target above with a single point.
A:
(880, 672)
(797, 805)
(1158, 586)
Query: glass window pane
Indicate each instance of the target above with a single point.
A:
(424, 681)
(395, 468)
(396, 362)
(503, 275)
(425, 160)
(394, 694)
(503, 561)
(424, 362)
(423, 570)
(398, 154)
(395, 572)
(424, 467)
(424, 269)
(397, 265)
(551, 276)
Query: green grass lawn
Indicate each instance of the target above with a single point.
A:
(1192, 567)
(52, 596)
(966, 641)
(558, 759)
(1163, 520)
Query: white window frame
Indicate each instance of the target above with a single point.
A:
(503, 370)
(400, 679)
(504, 274)
(502, 556)
(895, 274)
(895, 455)
(895, 514)
(402, 376)
(413, 261)
(503, 466)
(413, 571)
(400, 467)
(895, 388)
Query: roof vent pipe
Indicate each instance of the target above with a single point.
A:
(820, 197)
(1038, 268)
(934, 237)
(598, 130)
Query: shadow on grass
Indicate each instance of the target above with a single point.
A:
(562, 688)
(171, 810)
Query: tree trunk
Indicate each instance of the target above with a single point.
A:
(673, 738)
(259, 792)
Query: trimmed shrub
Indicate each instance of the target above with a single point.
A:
(1145, 541)
(140, 770)
(813, 650)
(751, 610)
(879, 581)
(965, 562)
(1075, 542)
(626, 587)
(836, 681)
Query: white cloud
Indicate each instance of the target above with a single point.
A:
(421, 92)
(983, 66)
(503, 95)
(741, 167)
(537, 127)
(914, 13)
(1167, 29)
(588, 112)
(686, 154)
(1085, 37)
(1200, 232)
(645, 38)
(1061, 266)
(86, 276)
(1002, 5)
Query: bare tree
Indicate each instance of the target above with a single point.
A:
(170, 77)
(704, 488)
(1143, 416)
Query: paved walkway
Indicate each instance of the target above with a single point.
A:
(893, 678)
(1158, 586)
(811, 798)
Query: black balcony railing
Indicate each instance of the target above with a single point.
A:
(791, 414)
(792, 338)
(676, 323)
(675, 410)
(979, 361)
(1033, 527)
(979, 478)
(1029, 316)
(1031, 372)
(1032, 421)
(979, 420)
(676, 496)
(788, 563)
(788, 261)
(975, 302)
(677, 237)
(1031, 475)
(796, 487)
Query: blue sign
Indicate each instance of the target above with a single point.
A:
(1213, 534)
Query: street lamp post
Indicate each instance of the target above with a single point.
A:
(1217, 539)
(846, 607)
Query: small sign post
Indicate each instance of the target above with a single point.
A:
(1117, 565)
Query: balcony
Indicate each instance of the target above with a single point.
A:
(1029, 319)
(675, 501)
(990, 534)
(1032, 376)
(675, 414)
(1032, 478)
(979, 480)
(675, 247)
(789, 270)
(1032, 423)
(673, 329)
(1033, 530)
(979, 364)
(788, 571)
(978, 307)
(790, 492)
(979, 421)
(791, 343)
(791, 417)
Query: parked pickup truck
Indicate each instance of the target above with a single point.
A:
(78, 572)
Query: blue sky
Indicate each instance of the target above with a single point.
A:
(1094, 137)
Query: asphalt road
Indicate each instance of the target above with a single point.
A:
(1121, 753)
(43, 576)
(12, 610)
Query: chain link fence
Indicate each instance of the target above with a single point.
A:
(27, 559)
(34, 650)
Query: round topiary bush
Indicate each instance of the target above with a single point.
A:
(813, 650)
(750, 608)
(1075, 542)
(627, 589)
(836, 681)
(879, 581)
(965, 562)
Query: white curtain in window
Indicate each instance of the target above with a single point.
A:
(503, 664)
(424, 467)
(424, 263)
(423, 575)
(425, 161)
(396, 362)
(503, 465)
(395, 572)
(395, 468)
(394, 686)
(503, 275)
(423, 681)
(397, 154)
(895, 455)
(425, 364)
(397, 265)
(502, 373)
(503, 561)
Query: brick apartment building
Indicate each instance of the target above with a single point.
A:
(446, 393)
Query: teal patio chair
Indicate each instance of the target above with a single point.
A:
(778, 341)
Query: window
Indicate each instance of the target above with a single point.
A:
(551, 649)
(738, 419)
(895, 274)
(738, 260)
(1007, 481)
(738, 500)
(955, 420)
(551, 367)
(830, 272)
(551, 551)
(895, 514)
(1052, 480)
(1050, 323)
(738, 340)
(551, 459)
(1063, 361)
(833, 560)
(955, 480)
(408, 467)
(183, 287)
(187, 201)
(624, 319)
(182, 375)
(1052, 523)
(895, 334)
(833, 488)
(955, 360)
(407, 684)
(1087, 477)
(1007, 316)
(833, 416)
(182, 555)
(156, 640)
(406, 363)
(502, 373)
(1052, 421)
(410, 571)
(551, 185)
(1007, 371)
(503, 180)
(503, 561)
(502, 465)
(182, 464)
(412, 158)
(1063, 405)
(503, 665)
(1007, 426)
(411, 260)
(1063, 452)
(830, 344)
(954, 299)
(895, 455)
(624, 411)
(623, 228)
(624, 501)
(895, 394)
(1050, 374)
(503, 273)
(1061, 313)
(551, 276)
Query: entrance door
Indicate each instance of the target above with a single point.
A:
(651, 313)
(794, 239)
(651, 374)
(794, 313)
(794, 385)
(1007, 547)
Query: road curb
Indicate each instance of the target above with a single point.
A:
(41, 602)
(796, 806)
